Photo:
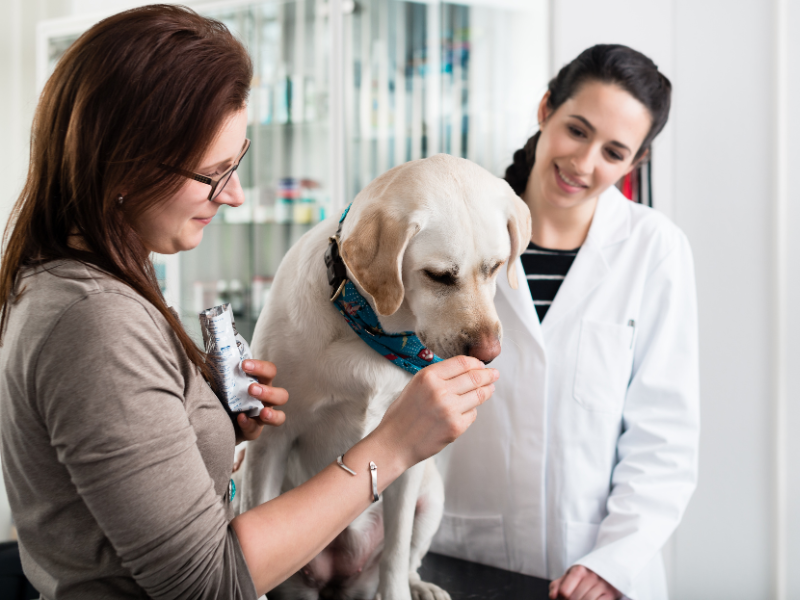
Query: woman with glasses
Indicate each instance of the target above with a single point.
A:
(117, 455)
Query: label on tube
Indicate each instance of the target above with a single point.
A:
(225, 351)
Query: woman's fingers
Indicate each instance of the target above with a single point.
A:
(585, 589)
(262, 370)
(474, 398)
(597, 592)
(554, 585)
(272, 396)
(570, 581)
(269, 416)
(473, 379)
(455, 366)
(251, 427)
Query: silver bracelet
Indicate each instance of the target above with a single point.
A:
(340, 462)
(373, 469)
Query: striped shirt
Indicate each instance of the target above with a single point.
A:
(545, 271)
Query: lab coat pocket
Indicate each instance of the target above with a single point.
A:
(581, 539)
(478, 539)
(603, 365)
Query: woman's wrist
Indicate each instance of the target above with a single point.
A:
(377, 447)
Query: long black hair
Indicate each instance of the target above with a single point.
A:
(605, 63)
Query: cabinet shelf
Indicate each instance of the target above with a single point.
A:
(406, 80)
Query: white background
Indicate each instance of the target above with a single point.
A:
(717, 174)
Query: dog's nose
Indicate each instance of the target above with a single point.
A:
(487, 348)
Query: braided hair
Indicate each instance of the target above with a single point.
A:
(605, 63)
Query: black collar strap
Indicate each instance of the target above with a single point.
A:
(337, 272)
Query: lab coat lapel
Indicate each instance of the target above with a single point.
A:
(521, 303)
(610, 225)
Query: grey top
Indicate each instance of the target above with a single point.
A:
(116, 454)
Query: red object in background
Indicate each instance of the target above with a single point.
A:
(636, 186)
(627, 186)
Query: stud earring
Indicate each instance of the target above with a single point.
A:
(120, 199)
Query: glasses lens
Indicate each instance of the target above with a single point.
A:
(222, 183)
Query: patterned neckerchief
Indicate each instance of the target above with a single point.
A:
(403, 349)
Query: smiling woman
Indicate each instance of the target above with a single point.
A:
(592, 438)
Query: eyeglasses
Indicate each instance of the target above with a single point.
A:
(217, 185)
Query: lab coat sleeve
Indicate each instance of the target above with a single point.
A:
(656, 470)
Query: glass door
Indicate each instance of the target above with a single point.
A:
(429, 77)
(284, 175)
(418, 78)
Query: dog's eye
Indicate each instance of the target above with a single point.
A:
(442, 278)
(494, 268)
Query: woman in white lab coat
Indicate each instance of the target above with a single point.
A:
(582, 465)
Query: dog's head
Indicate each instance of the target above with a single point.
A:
(426, 241)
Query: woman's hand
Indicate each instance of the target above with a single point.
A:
(437, 406)
(580, 583)
(250, 427)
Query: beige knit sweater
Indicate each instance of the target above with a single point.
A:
(116, 454)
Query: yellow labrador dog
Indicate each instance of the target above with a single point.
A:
(423, 244)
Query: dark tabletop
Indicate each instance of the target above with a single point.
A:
(466, 580)
(463, 580)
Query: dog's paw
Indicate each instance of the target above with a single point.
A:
(422, 590)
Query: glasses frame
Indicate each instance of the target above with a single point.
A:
(214, 183)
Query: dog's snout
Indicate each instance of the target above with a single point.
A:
(486, 349)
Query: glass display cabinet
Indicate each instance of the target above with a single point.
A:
(411, 79)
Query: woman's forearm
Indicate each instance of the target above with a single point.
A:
(281, 536)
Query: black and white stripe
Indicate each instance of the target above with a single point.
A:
(545, 270)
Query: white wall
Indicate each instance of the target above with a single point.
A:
(720, 153)
(793, 300)
(725, 187)
(18, 100)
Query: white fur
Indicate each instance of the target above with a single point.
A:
(339, 388)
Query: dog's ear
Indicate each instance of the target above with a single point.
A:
(519, 230)
(373, 252)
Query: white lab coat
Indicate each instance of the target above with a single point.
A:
(587, 452)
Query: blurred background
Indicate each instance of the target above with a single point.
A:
(345, 90)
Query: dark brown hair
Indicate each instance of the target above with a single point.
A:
(147, 86)
(606, 63)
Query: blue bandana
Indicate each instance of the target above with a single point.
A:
(403, 349)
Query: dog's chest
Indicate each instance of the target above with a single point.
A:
(337, 421)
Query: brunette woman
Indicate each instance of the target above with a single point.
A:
(117, 455)
(582, 466)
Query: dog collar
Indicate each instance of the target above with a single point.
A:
(404, 349)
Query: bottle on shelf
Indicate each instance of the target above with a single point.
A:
(288, 195)
(305, 208)
(264, 207)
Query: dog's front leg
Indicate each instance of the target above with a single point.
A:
(264, 468)
(399, 505)
(427, 518)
